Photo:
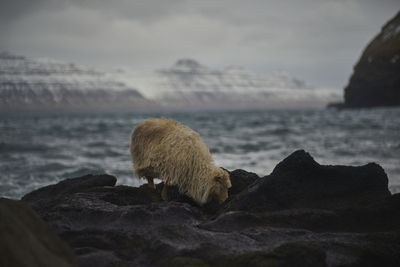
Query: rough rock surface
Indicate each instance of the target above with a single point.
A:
(300, 182)
(376, 77)
(302, 214)
(27, 241)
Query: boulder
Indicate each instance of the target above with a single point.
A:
(300, 182)
(26, 240)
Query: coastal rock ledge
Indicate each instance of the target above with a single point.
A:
(302, 214)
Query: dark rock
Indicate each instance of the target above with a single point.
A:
(51, 195)
(70, 186)
(300, 182)
(382, 216)
(233, 221)
(127, 195)
(376, 77)
(292, 254)
(240, 180)
(27, 241)
(303, 214)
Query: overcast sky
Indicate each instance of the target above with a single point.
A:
(317, 41)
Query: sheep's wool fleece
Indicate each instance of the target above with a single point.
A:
(166, 149)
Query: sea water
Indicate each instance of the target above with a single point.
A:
(41, 149)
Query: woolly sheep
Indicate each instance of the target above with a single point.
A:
(164, 148)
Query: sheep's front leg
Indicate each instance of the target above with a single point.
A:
(150, 182)
(164, 192)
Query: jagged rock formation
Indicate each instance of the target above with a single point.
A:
(34, 84)
(376, 77)
(302, 214)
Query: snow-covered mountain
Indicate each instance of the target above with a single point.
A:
(32, 84)
(37, 83)
(190, 84)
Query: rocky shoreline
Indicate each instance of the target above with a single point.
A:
(302, 214)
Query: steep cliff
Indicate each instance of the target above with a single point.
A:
(376, 77)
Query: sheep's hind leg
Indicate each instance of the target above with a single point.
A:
(164, 192)
(150, 182)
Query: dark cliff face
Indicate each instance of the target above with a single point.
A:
(376, 77)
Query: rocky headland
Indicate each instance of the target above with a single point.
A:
(376, 78)
(302, 214)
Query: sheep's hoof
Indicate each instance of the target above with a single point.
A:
(150, 183)
(164, 193)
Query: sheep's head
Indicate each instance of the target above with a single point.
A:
(221, 184)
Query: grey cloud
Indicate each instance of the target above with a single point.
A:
(315, 40)
(147, 11)
(12, 10)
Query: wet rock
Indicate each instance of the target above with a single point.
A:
(303, 214)
(26, 240)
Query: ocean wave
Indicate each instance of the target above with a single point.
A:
(23, 147)
(43, 149)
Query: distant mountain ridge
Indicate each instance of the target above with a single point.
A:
(189, 83)
(48, 84)
(32, 84)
